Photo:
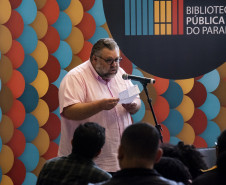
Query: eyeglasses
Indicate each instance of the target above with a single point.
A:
(110, 61)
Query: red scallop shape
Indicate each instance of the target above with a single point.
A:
(51, 10)
(126, 64)
(51, 98)
(161, 85)
(17, 172)
(88, 30)
(16, 54)
(87, 5)
(200, 142)
(165, 133)
(17, 113)
(198, 94)
(198, 77)
(161, 109)
(51, 39)
(15, 3)
(17, 143)
(15, 24)
(84, 54)
(198, 121)
(52, 126)
(51, 152)
(16, 84)
(52, 69)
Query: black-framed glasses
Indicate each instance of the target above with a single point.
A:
(110, 61)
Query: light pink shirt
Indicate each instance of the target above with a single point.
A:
(83, 84)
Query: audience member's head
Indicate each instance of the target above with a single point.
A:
(188, 154)
(88, 140)
(174, 169)
(139, 146)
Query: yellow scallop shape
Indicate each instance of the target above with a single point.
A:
(75, 11)
(5, 11)
(75, 40)
(42, 141)
(6, 159)
(41, 163)
(40, 25)
(40, 54)
(5, 39)
(40, 3)
(74, 62)
(186, 84)
(41, 83)
(41, 112)
(187, 134)
(186, 108)
(6, 69)
(6, 180)
(6, 129)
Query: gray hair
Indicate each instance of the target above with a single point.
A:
(104, 43)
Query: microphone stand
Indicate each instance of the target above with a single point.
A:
(159, 128)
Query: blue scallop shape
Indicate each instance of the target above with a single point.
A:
(29, 98)
(60, 78)
(57, 140)
(0, 175)
(211, 106)
(63, 54)
(30, 127)
(174, 122)
(57, 112)
(211, 133)
(28, 39)
(63, 4)
(137, 72)
(63, 25)
(0, 146)
(211, 80)
(28, 11)
(174, 140)
(174, 94)
(30, 157)
(139, 115)
(29, 69)
(30, 179)
(97, 11)
(99, 33)
(0, 114)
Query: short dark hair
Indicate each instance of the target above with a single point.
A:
(140, 140)
(103, 43)
(88, 139)
(221, 142)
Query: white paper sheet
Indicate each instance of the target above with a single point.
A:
(129, 95)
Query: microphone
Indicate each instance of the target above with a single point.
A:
(138, 78)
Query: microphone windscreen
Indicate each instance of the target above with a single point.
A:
(125, 76)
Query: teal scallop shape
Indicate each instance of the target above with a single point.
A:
(28, 39)
(28, 11)
(137, 72)
(0, 146)
(211, 133)
(211, 106)
(63, 4)
(139, 115)
(174, 122)
(29, 69)
(57, 140)
(174, 94)
(30, 179)
(63, 25)
(30, 127)
(0, 114)
(30, 157)
(211, 80)
(97, 11)
(57, 112)
(174, 140)
(99, 33)
(60, 78)
(29, 98)
(63, 54)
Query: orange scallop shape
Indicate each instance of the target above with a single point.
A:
(75, 40)
(6, 129)
(40, 25)
(6, 180)
(6, 69)
(5, 11)
(41, 163)
(161, 109)
(51, 10)
(40, 3)
(16, 84)
(186, 84)
(5, 39)
(6, 99)
(187, 134)
(84, 54)
(16, 54)
(6, 159)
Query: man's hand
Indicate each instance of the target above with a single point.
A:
(108, 104)
(133, 107)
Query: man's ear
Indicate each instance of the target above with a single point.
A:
(158, 155)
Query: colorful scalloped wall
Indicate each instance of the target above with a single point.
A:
(40, 41)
